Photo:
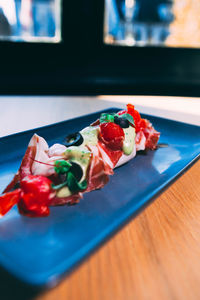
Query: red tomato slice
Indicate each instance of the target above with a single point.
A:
(112, 135)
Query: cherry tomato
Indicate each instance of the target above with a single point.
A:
(29, 206)
(39, 186)
(36, 196)
(112, 135)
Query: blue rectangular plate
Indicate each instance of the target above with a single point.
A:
(41, 251)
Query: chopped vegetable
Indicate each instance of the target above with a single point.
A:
(62, 166)
(122, 122)
(112, 135)
(30, 207)
(104, 118)
(129, 118)
(74, 185)
(38, 185)
(35, 196)
(140, 123)
(73, 174)
(8, 200)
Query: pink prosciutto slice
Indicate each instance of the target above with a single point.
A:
(152, 136)
(36, 161)
(98, 171)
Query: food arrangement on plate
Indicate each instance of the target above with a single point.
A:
(62, 173)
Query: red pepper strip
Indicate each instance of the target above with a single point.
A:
(140, 124)
(8, 200)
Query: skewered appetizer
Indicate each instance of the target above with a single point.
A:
(62, 173)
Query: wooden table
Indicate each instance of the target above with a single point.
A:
(155, 256)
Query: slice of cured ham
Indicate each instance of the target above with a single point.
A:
(152, 136)
(26, 164)
(108, 155)
(125, 158)
(147, 138)
(73, 199)
(98, 171)
(140, 141)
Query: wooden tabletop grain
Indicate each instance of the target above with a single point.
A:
(155, 256)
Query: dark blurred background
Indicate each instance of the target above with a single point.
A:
(96, 47)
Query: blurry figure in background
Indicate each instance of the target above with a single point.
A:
(118, 21)
(120, 4)
(7, 17)
(152, 21)
(148, 11)
(44, 17)
(130, 13)
(141, 22)
(5, 29)
(30, 20)
(114, 20)
(26, 18)
(37, 18)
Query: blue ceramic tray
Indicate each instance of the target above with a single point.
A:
(41, 251)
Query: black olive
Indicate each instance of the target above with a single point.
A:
(62, 178)
(74, 139)
(122, 122)
(76, 170)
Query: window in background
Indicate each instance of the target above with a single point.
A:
(30, 20)
(173, 23)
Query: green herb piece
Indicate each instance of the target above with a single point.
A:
(59, 186)
(62, 166)
(129, 118)
(74, 185)
(104, 118)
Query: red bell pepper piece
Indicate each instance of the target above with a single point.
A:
(140, 124)
(39, 186)
(8, 200)
(29, 206)
(36, 196)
